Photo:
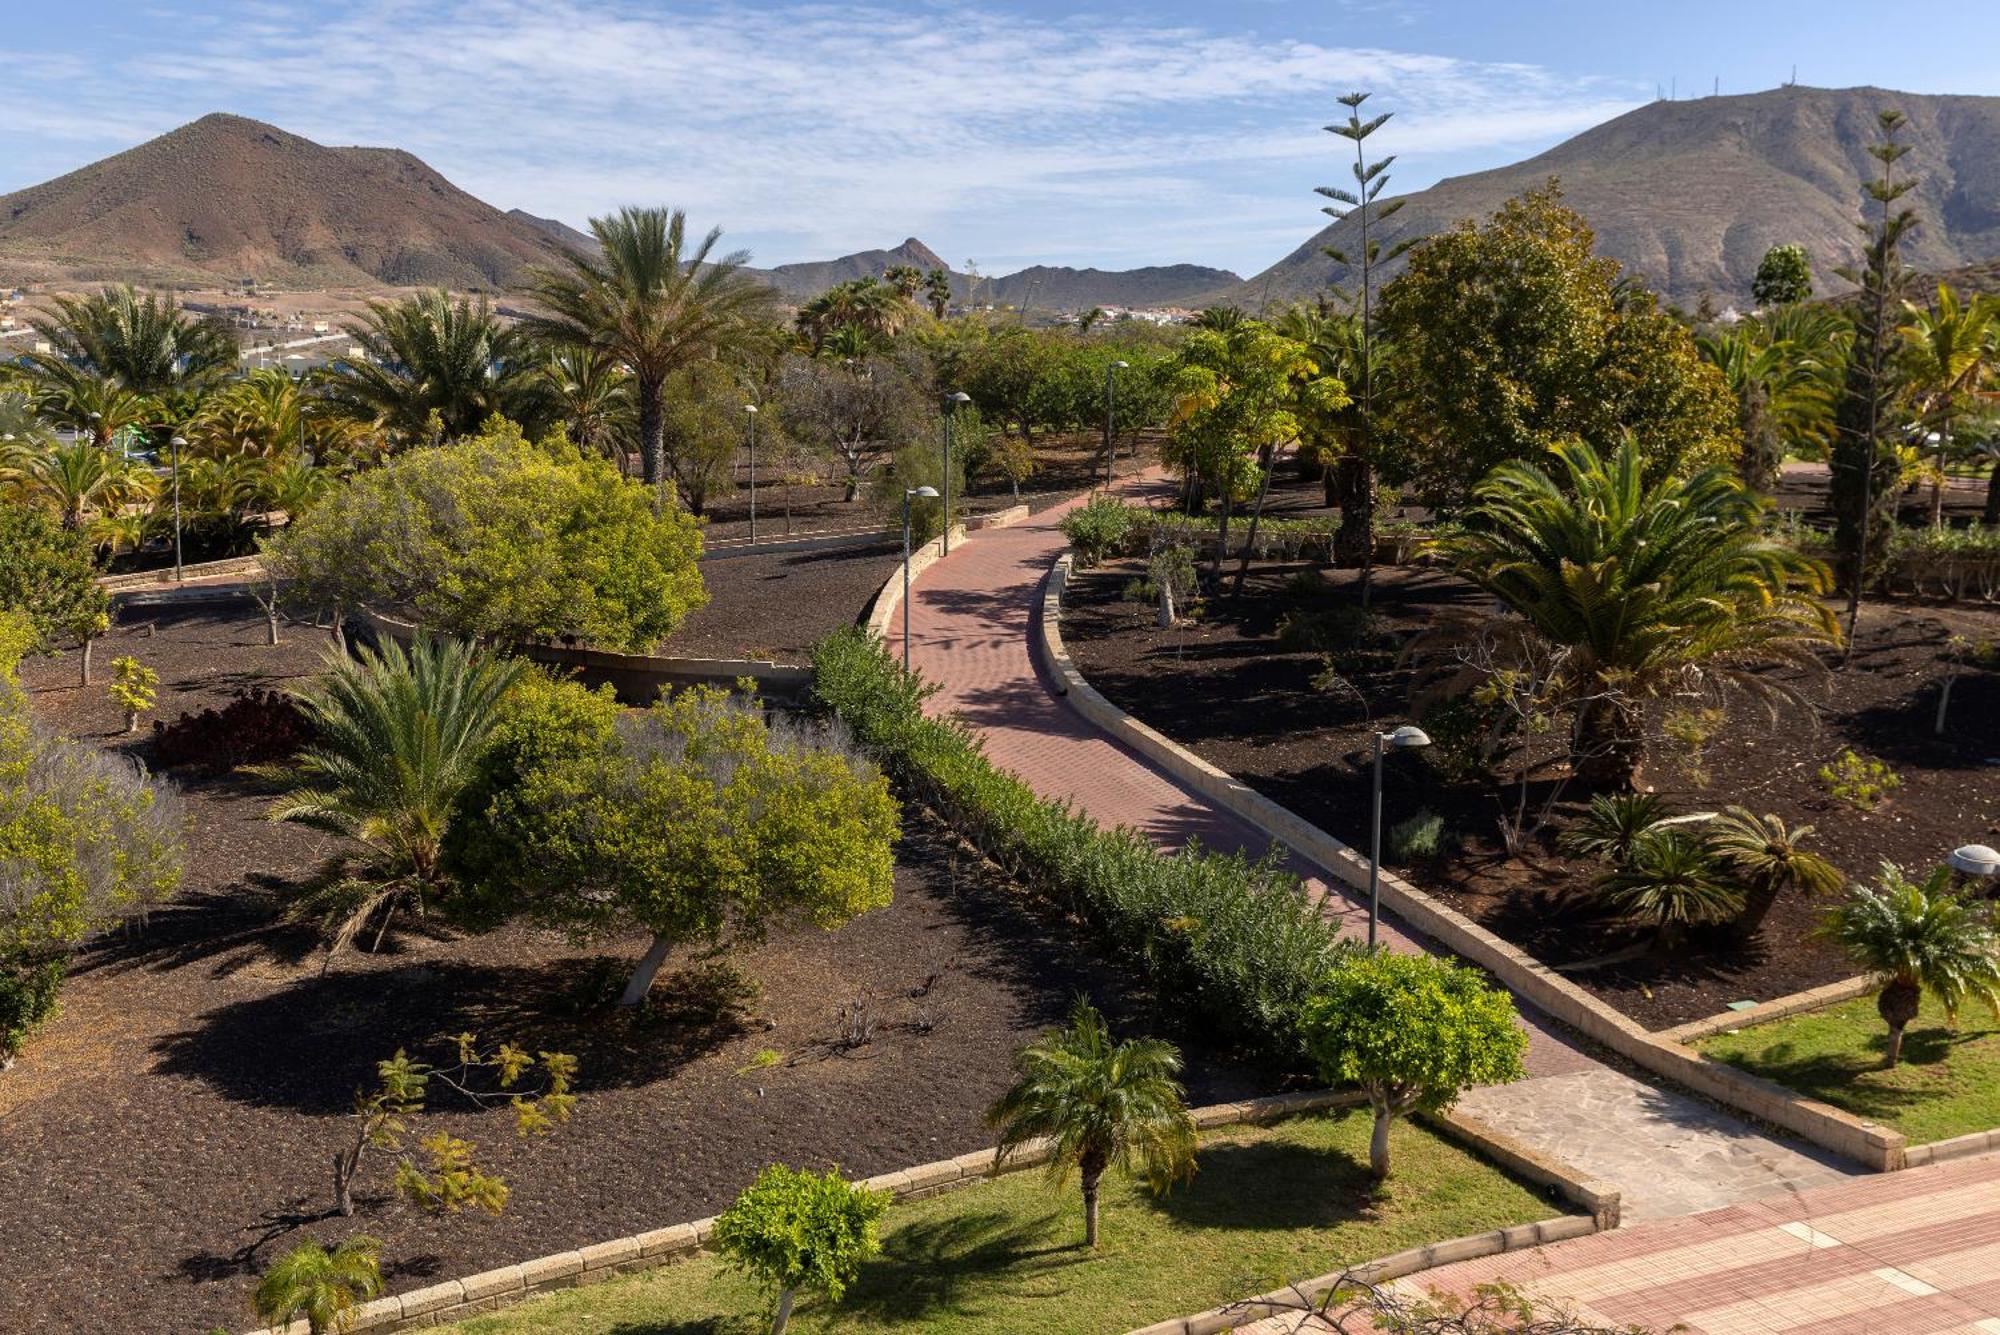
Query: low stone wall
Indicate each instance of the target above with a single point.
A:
(724, 549)
(1958, 1147)
(164, 579)
(1818, 998)
(1868, 1143)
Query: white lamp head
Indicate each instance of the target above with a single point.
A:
(928, 493)
(750, 408)
(1975, 860)
(1120, 366)
(1407, 738)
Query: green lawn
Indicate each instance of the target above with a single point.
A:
(1269, 1205)
(1947, 1085)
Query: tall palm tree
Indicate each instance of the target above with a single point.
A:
(322, 1286)
(144, 341)
(652, 302)
(1918, 937)
(1948, 351)
(1105, 1105)
(1671, 880)
(1784, 396)
(432, 362)
(397, 735)
(870, 309)
(1766, 858)
(1649, 590)
(87, 402)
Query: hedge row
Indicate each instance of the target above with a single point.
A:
(1959, 564)
(1235, 944)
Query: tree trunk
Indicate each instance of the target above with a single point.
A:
(1256, 516)
(648, 969)
(1378, 1140)
(1093, 1167)
(1610, 742)
(783, 1316)
(1897, 1006)
(343, 1186)
(131, 721)
(1937, 483)
(1991, 515)
(1221, 539)
(89, 641)
(652, 429)
(1166, 617)
(271, 617)
(1758, 897)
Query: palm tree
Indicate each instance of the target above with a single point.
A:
(431, 362)
(1615, 825)
(872, 309)
(1766, 858)
(86, 402)
(397, 736)
(322, 1286)
(1918, 938)
(77, 480)
(1104, 1104)
(591, 396)
(1671, 880)
(1947, 352)
(1648, 590)
(144, 341)
(652, 303)
(1784, 393)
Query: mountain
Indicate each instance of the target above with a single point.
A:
(1050, 287)
(229, 198)
(1689, 194)
(807, 279)
(566, 236)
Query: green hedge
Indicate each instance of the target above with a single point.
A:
(1957, 564)
(1235, 944)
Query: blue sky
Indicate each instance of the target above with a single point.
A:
(1006, 132)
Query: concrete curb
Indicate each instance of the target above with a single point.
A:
(882, 608)
(1870, 1144)
(1778, 1008)
(1958, 1147)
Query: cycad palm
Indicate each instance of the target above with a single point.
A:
(322, 1286)
(144, 341)
(651, 301)
(397, 736)
(1105, 1105)
(426, 355)
(1767, 858)
(1671, 880)
(1917, 938)
(1615, 825)
(1674, 587)
(1948, 351)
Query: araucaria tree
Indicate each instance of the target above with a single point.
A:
(1865, 466)
(1651, 591)
(652, 300)
(1415, 1032)
(1918, 937)
(1104, 1103)
(796, 1231)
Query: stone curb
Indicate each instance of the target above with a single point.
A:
(1958, 1147)
(882, 608)
(145, 579)
(1778, 1008)
(455, 1299)
(1868, 1143)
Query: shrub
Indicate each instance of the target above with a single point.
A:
(1421, 838)
(794, 1229)
(1860, 781)
(1139, 590)
(1671, 880)
(1471, 735)
(1238, 943)
(1098, 528)
(255, 728)
(132, 688)
(46, 573)
(322, 1287)
(1615, 825)
(1340, 629)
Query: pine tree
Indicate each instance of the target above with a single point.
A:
(1864, 474)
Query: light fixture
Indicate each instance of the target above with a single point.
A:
(1975, 860)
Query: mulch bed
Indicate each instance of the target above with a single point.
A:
(169, 1135)
(1222, 686)
(777, 605)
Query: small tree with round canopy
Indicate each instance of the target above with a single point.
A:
(798, 1230)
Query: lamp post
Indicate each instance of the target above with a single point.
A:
(1110, 427)
(929, 493)
(1405, 738)
(951, 406)
(176, 443)
(750, 420)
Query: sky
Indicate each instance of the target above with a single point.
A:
(1002, 132)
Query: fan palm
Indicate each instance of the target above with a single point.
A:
(1105, 1105)
(1948, 352)
(397, 735)
(1918, 937)
(1671, 880)
(1647, 591)
(1767, 858)
(144, 341)
(873, 309)
(1784, 396)
(651, 301)
(322, 1286)
(431, 363)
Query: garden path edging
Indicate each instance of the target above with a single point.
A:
(1870, 1144)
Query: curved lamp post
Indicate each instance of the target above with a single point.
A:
(176, 443)
(1405, 738)
(928, 493)
(750, 425)
(1110, 421)
(952, 403)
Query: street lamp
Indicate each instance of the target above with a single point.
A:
(951, 406)
(928, 493)
(750, 420)
(1975, 860)
(177, 442)
(1405, 738)
(1110, 432)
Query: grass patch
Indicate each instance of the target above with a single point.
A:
(1947, 1085)
(1270, 1204)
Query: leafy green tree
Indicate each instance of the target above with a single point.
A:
(1648, 589)
(795, 1230)
(397, 735)
(325, 1287)
(1009, 377)
(430, 363)
(654, 302)
(1918, 937)
(1105, 1104)
(1784, 277)
(1865, 467)
(1766, 858)
(921, 464)
(1415, 1032)
(1948, 352)
(132, 689)
(855, 410)
(498, 538)
(47, 575)
(1509, 338)
(702, 431)
(144, 342)
(1671, 880)
(699, 823)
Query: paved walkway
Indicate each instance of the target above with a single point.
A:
(971, 618)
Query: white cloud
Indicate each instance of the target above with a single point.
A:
(810, 128)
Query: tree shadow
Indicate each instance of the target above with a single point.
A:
(952, 1264)
(1857, 1079)
(1271, 1184)
(226, 930)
